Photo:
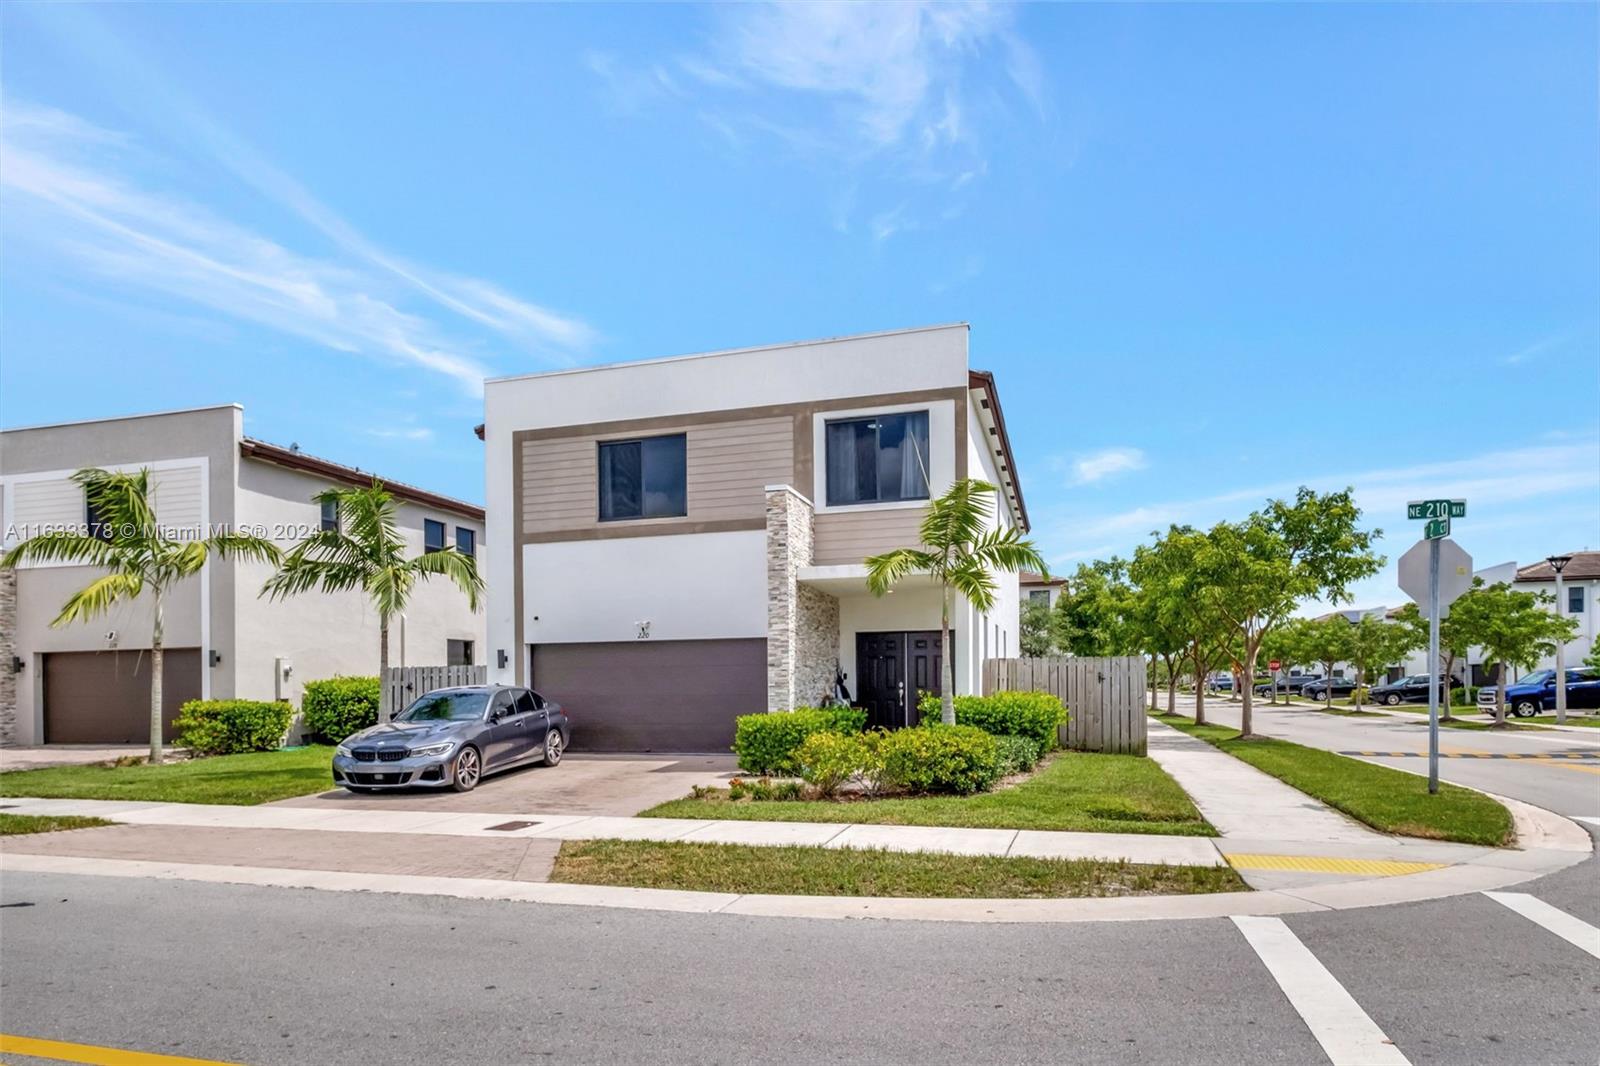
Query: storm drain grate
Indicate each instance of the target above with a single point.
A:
(510, 827)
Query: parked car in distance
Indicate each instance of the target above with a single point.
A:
(1221, 683)
(1318, 690)
(1413, 689)
(1291, 684)
(453, 738)
(1537, 693)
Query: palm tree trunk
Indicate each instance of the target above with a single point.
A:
(156, 738)
(383, 664)
(947, 698)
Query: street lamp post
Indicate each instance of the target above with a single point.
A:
(1559, 563)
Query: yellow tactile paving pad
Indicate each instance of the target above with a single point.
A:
(1320, 864)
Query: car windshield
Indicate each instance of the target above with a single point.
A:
(446, 707)
(1538, 677)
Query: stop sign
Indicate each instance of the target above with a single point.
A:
(1274, 665)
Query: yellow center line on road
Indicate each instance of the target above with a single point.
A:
(92, 1055)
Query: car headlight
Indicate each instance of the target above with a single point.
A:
(340, 749)
(431, 749)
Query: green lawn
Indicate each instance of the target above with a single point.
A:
(1457, 721)
(1588, 721)
(1386, 799)
(809, 871)
(22, 824)
(1089, 793)
(238, 779)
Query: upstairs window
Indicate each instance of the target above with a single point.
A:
(432, 535)
(1575, 599)
(99, 528)
(644, 478)
(466, 541)
(1039, 596)
(330, 516)
(878, 460)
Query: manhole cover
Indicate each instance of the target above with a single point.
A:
(510, 827)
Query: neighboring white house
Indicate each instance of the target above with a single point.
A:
(1036, 588)
(679, 541)
(89, 682)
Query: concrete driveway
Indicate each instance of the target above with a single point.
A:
(583, 784)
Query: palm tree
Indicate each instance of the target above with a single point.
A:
(138, 555)
(365, 552)
(962, 554)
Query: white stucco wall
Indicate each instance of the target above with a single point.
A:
(698, 586)
(998, 629)
(322, 634)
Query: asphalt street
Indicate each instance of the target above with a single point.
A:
(1566, 786)
(270, 975)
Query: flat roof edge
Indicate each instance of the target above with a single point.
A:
(124, 418)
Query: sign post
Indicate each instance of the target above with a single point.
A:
(1429, 592)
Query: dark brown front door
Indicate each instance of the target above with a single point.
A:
(103, 697)
(892, 671)
(654, 695)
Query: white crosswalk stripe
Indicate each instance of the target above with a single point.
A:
(1347, 1034)
(1574, 931)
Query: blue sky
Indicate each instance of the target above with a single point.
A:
(1210, 252)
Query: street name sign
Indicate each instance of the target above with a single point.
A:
(1436, 528)
(1436, 509)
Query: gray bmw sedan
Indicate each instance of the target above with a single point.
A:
(453, 738)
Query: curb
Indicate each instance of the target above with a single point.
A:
(1512, 868)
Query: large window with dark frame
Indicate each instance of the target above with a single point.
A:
(882, 459)
(98, 527)
(432, 535)
(645, 478)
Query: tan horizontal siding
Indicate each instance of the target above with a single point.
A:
(727, 466)
(850, 536)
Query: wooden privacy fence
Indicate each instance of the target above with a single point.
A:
(1104, 696)
(402, 684)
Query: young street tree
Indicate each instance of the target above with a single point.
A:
(1159, 627)
(1037, 637)
(1252, 573)
(1513, 629)
(1167, 574)
(366, 552)
(1328, 641)
(1287, 644)
(961, 553)
(1453, 645)
(1092, 612)
(1375, 644)
(139, 557)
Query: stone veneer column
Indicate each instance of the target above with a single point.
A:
(8, 649)
(789, 539)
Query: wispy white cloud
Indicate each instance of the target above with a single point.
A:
(143, 86)
(1538, 348)
(1490, 481)
(1105, 463)
(68, 189)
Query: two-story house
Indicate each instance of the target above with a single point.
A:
(676, 542)
(89, 683)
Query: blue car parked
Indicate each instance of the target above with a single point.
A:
(1536, 693)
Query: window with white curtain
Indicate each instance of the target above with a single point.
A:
(882, 459)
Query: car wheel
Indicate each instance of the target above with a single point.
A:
(1319, 696)
(1392, 699)
(468, 770)
(1525, 709)
(554, 746)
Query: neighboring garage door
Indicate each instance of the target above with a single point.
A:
(671, 695)
(103, 697)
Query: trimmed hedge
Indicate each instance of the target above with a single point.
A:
(336, 707)
(1036, 715)
(769, 743)
(946, 758)
(1017, 755)
(231, 727)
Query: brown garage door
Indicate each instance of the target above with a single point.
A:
(670, 695)
(103, 697)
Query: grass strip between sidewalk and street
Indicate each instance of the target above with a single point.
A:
(812, 871)
(1070, 791)
(242, 780)
(1389, 800)
(12, 825)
